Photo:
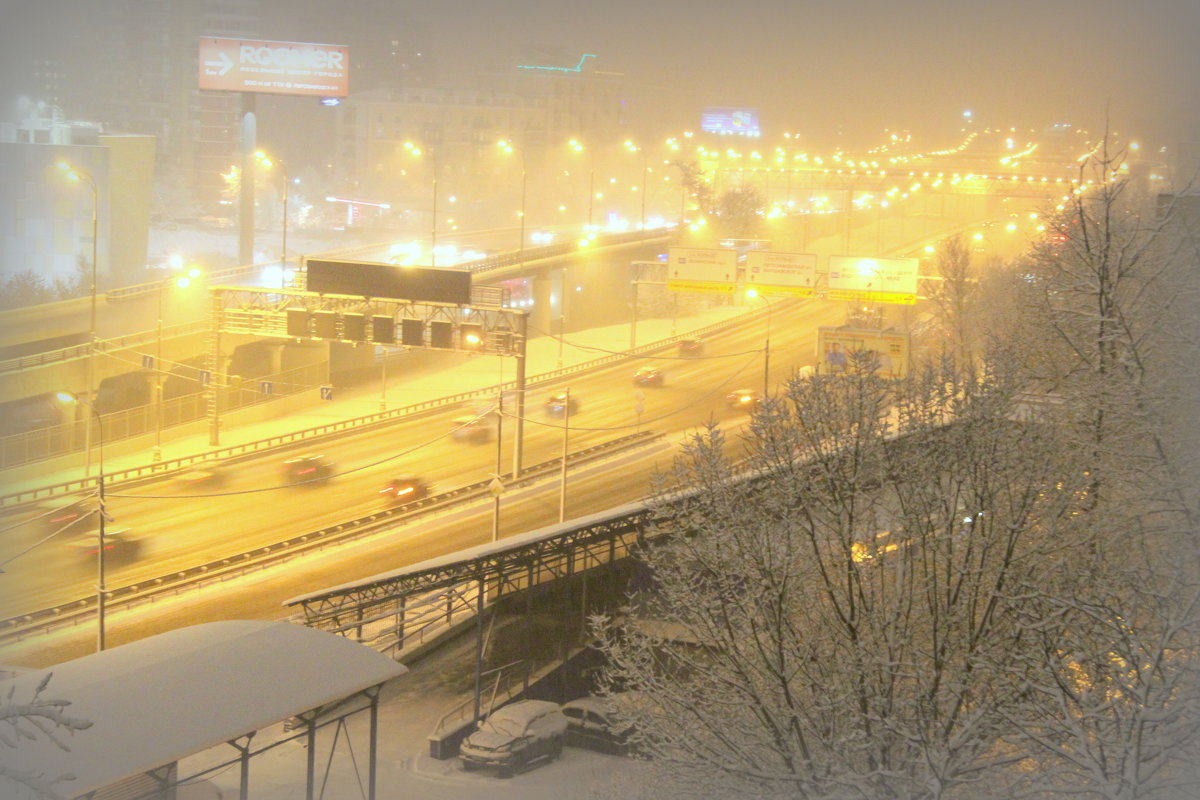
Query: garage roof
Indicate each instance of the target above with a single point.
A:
(157, 700)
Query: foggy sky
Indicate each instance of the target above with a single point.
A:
(858, 65)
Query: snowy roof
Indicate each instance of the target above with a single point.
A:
(157, 700)
(463, 557)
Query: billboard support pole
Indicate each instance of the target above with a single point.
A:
(246, 187)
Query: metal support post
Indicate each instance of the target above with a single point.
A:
(519, 432)
(562, 487)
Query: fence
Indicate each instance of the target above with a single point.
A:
(71, 437)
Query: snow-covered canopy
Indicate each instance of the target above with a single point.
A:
(157, 700)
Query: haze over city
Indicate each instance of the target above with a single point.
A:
(640, 400)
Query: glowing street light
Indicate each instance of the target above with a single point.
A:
(417, 152)
(754, 293)
(77, 174)
(181, 281)
(579, 148)
(268, 162)
(101, 589)
(507, 146)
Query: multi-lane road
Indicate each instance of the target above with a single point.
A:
(179, 527)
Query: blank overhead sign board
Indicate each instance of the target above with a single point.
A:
(366, 279)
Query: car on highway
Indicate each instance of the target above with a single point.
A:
(119, 546)
(307, 469)
(514, 736)
(204, 475)
(558, 405)
(648, 376)
(691, 348)
(742, 398)
(474, 429)
(405, 490)
(57, 515)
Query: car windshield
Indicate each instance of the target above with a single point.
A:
(505, 725)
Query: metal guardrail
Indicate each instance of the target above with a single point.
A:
(16, 629)
(308, 435)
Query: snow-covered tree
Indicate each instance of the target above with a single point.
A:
(37, 717)
(839, 623)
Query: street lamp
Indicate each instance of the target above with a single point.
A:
(268, 162)
(76, 174)
(752, 293)
(578, 147)
(182, 281)
(418, 152)
(101, 589)
(633, 148)
(507, 146)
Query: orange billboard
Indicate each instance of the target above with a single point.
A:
(252, 65)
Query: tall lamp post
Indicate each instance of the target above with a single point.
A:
(269, 162)
(182, 281)
(101, 589)
(77, 174)
(578, 147)
(508, 147)
(752, 292)
(418, 152)
(633, 148)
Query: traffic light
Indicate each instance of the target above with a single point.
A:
(470, 336)
(383, 330)
(441, 335)
(297, 323)
(412, 333)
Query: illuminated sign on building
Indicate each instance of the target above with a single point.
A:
(252, 65)
(730, 121)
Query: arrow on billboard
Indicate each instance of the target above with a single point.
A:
(224, 63)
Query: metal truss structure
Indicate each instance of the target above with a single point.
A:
(493, 329)
(396, 607)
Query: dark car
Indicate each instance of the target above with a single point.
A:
(119, 546)
(405, 490)
(514, 736)
(205, 475)
(691, 348)
(306, 469)
(593, 724)
(58, 515)
(742, 398)
(475, 429)
(560, 404)
(648, 376)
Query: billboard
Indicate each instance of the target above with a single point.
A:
(791, 274)
(254, 65)
(730, 121)
(880, 280)
(367, 279)
(842, 350)
(692, 269)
